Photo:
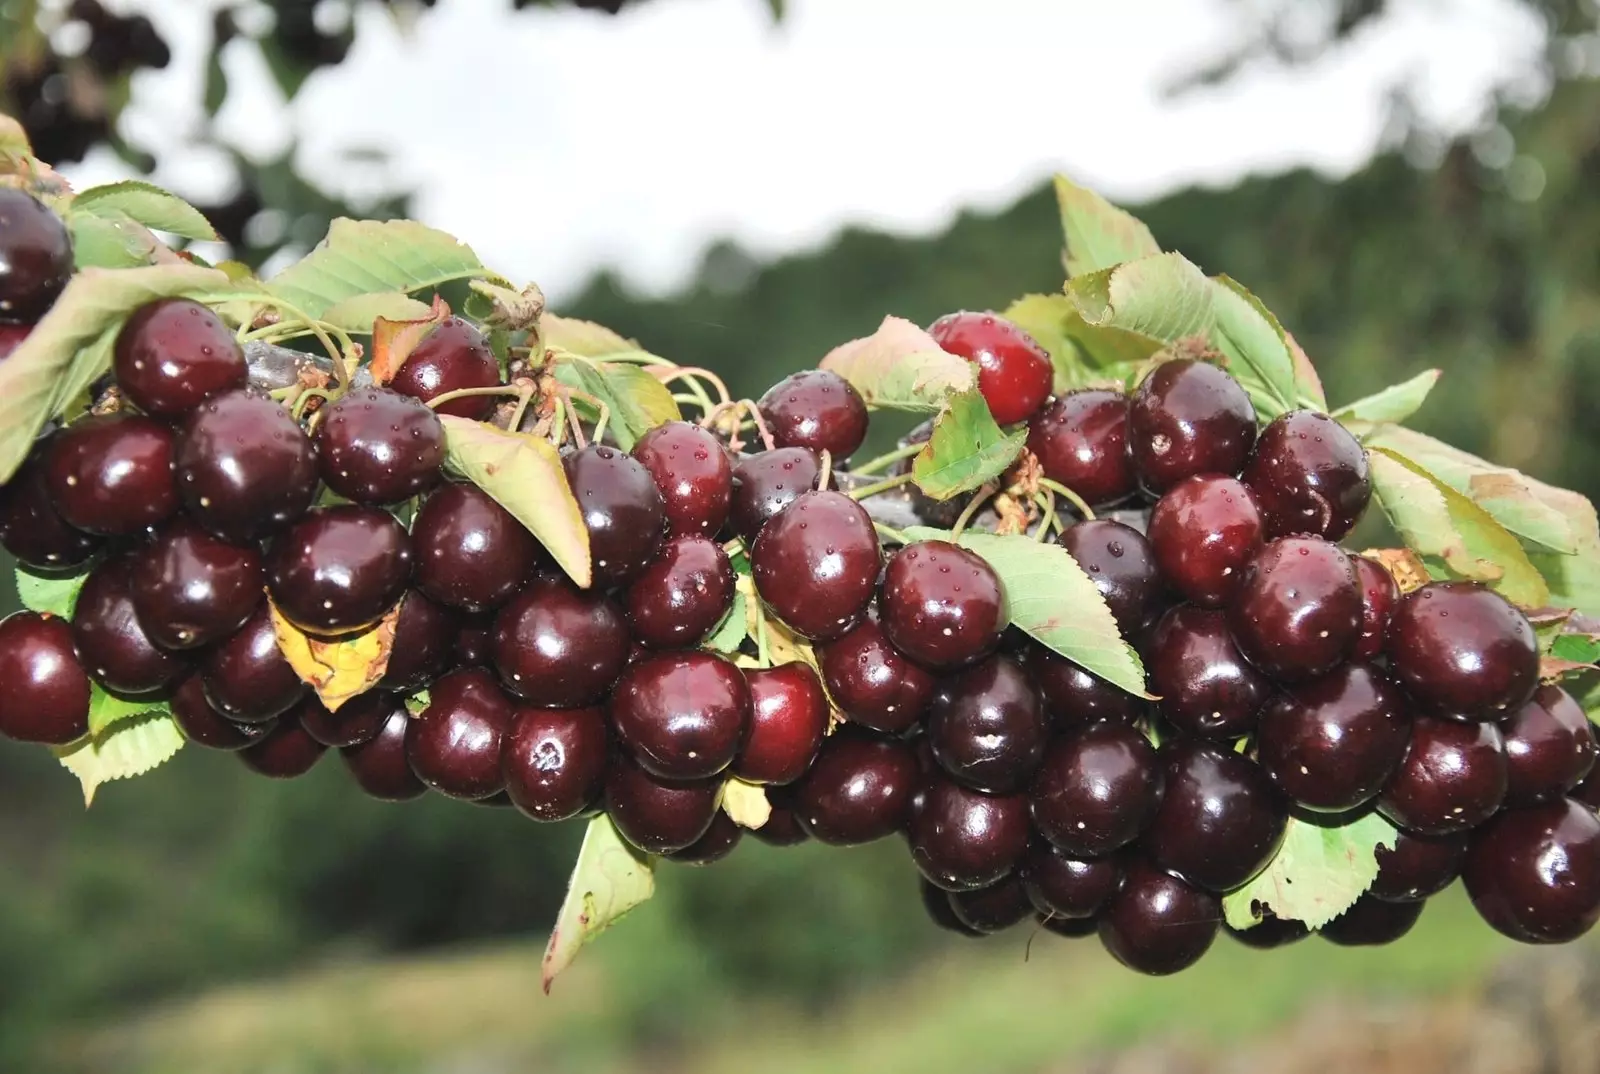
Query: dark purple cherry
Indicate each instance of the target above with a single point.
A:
(1453, 777)
(873, 682)
(30, 527)
(245, 468)
(454, 357)
(1015, 374)
(1204, 531)
(1220, 819)
(558, 645)
(788, 719)
(1081, 440)
(35, 256)
(1550, 747)
(554, 761)
(681, 597)
(424, 642)
(694, 474)
(246, 676)
(858, 789)
(1158, 924)
(682, 714)
(1297, 614)
(1418, 866)
(112, 475)
(936, 901)
(340, 569)
(454, 744)
(656, 816)
(45, 697)
(1065, 886)
(1534, 873)
(622, 511)
(286, 751)
(1331, 743)
(1463, 650)
(380, 767)
(1097, 789)
(1122, 566)
(1189, 417)
(1270, 932)
(766, 483)
(191, 589)
(472, 554)
(987, 727)
(203, 724)
(475, 643)
(817, 410)
(720, 840)
(1379, 595)
(173, 354)
(963, 839)
(1068, 928)
(816, 565)
(358, 720)
(1074, 697)
(994, 908)
(1309, 475)
(1588, 792)
(112, 644)
(1206, 686)
(783, 827)
(376, 446)
(942, 605)
(1372, 922)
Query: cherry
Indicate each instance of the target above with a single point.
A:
(1074, 697)
(1097, 789)
(818, 410)
(46, 694)
(936, 901)
(1309, 475)
(1206, 687)
(857, 790)
(285, 752)
(1453, 777)
(682, 714)
(1372, 922)
(340, 569)
(1122, 566)
(35, 256)
(994, 908)
(1418, 866)
(622, 511)
(720, 840)
(693, 473)
(987, 728)
(942, 605)
(1069, 928)
(656, 816)
(358, 720)
(1204, 531)
(453, 357)
(1065, 886)
(1332, 743)
(873, 682)
(1220, 820)
(376, 446)
(1550, 747)
(1588, 792)
(962, 839)
(12, 336)
(1156, 923)
(1297, 614)
(1534, 873)
(203, 724)
(558, 645)
(1081, 440)
(783, 827)
(191, 589)
(1463, 650)
(424, 639)
(788, 719)
(1189, 417)
(472, 554)
(173, 354)
(454, 744)
(1270, 932)
(1015, 374)
(112, 644)
(475, 643)
(682, 596)
(816, 564)
(246, 676)
(1379, 595)
(765, 484)
(379, 765)
(554, 761)
(245, 468)
(112, 475)
(30, 527)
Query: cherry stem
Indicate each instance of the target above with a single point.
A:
(734, 547)
(1047, 500)
(691, 375)
(872, 466)
(825, 470)
(601, 422)
(303, 400)
(882, 486)
(525, 394)
(890, 533)
(1071, 497)
(761, 423)
(979, 498)
(558, 426)
(470, 393)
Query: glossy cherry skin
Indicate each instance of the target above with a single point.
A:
(1534, 873)
(992, 909)
(1157, 924)
(285, 752)
(817, 410)
(1206, 686)
(475, 643)
(1309, 475)
(356, 721)
(1015, 374)
(1220, 820)
(112, 475)
(340, 569)
(1065, 886)
(112, 644)
(204, 725)
(472, 554)
(816, 564)
(35, 256)
(765, 484)
(1074, 697)
(720, 840)
(682, 714)
(557, 645)
(245, 468)
(46, 694)
(788, 719)
(656, 816)
(1418, 866)
(173, 354)
(246, 676)
(454, 744)
(1081, 440)
(554, 761)
(783, 827)
(961, 838)
(379, 447)
(1550, 747)
(941, 605)
(1205, 531)
(1122, 566)
(1379, 595)
(192, 589)
(1189, 417)
(1463, 650)
(454, 356)
(987, 727)
(1372, 922)
(1453, 777)
(694, 474)
(30, 527)
(622, 511)
(1068, 928)
(859, 788)
(875, 684)
(424, 642)
(379, 765)
(1332, 743)
(1097, 789)
(681, 597)
(1297, 614)
(936, 901)
(1269, 933)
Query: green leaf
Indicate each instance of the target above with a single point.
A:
(1099, 235)
(966, 450)
(900, 367)
(149, 205)
(1395, 403)
(1317, 874)
(107, 709)
(126, 749)
(610, 879)
(638, 401)
(524, 475)
(1256, 348)
(734, 628)
(1049, 597)
(13, 139)
(1083, 354)
(50, 594)
(1576, 648)
(1163, 297)
(356, 314)
(582, 337)
(361, 257)
(112, 241)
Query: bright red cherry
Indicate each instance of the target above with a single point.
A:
(1204, 532)
(1014, 373)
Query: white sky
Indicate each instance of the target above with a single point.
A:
(559, 142)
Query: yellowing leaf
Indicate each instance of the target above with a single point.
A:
(361, 313)
(337, 670)
(582, 337)
(610, 879)
(393, 341)
(1099, 235)
(900, 367)
(746, 803)
(1403, 565)
(1317, 874)
(512, 310)
(126, 749)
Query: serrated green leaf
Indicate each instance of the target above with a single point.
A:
(1099, 235)
(1576, 648)
(638, 402)
(361, 257)
(126, 749)
(582, 337)
(1395, 403)
(107, 709)
(1163, 297)
(610, 879)
(111, 241)
(1082, 354)
(356, 314)
(1257, 351)
(966, 449)
(900, 367)
(147, 204)
(1049, 597)
(1317, 874)
(734, 628)
(50, 594)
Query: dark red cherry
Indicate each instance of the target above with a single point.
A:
(424, 642)
(1204, 531)
(1189, 417)
(936, 901)
(1332, 743)
(173, 354)
(873, 682)
(112, 644)
(379, 765)
(1534, 873)
(858, 789)
(994, 908)
(475, 643)
(783, 827)
(554, 761)
(682, 714)
(1158, 924)
(765, 484)
(1297, 614)
(816, 565)
(1081, 440)
(1122, 566)
(1206, 686)
(286, 751)
(472, 554)
(376, 446)
(454, 356)
(12, 337)
(1372, 922)
(45, 698)
(1588, 792)
(35, 256)
(1097, 789)
(560, 646)
(987, 727)
(1379, 595)
(1068, 928)
(30, 527)
(656, 816)
(622, 511)
(1463, 650)
(720, 840)
(694, 474)
(1453, 777)
(1309, 475)
(454, 744)
(245, 468)
(203, 724)
(1418, 866)
(1015, 374)
(340, 569)
(1550, 747)
(246, 676)
(112, 475)
(678, 600)
(817, 410)
(1074, 697)
(1066, 886)
(1269, 933)
(942, 605)
(191, 589)
(963, 839)
(788, 718)
(358, 720)
(1220, 819)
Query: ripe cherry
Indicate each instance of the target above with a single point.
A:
(694, 474)
(424, 642)
(472, 554)
(1206, 686)
(1269, 933)
(816, 564)
(936, 901)
(554, 761)
(340, 569)
(112, 644)
(656, 816)
(678, 600)
(1372, 922)
(1066, 886)
(783, 827)
(875, 684)
(560, 646)
(475, 643)
(245, 468)
(1158, 924)
(1309, 475)
(246, 676)
(1068, 928)
(817, 410)
(942, 605)
(1122, 566)
(1204, 532)
(1097, 789)
(204, 725)
(1463, 650)
(46, 694)
(1081, 440)
(1418, 866)
(1074, 697)
(358, 720)
(1534, 873)
(192, 589)
(720, 840)
(35, 256)
(30, 527)
(1015, 374)
(992, 909)
(112, 475)
(454, 744)
(1550, 747)
(1379, 595)
(286, 751)
(963, 839)
(987, 727)
(1297, 614)
(858, 789)
(1453, 777)
(1220, 819)
(379, 765)
(622, 511)
(453, 357)
(765, 484)
(1189, 417)
(377, 447)
(173, 354)
(788, 719)
(682, 714)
